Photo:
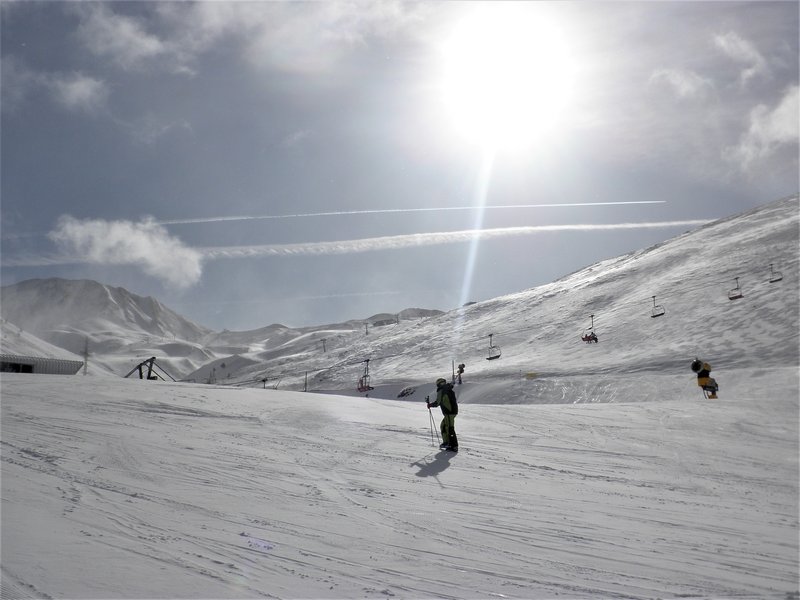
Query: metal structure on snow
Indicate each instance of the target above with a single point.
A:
(494, 351)
(736, 292)
(774, 276)
(363, 381)
(658, 310)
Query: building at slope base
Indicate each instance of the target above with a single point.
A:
(13, 363)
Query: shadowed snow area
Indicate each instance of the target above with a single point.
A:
(585, 470)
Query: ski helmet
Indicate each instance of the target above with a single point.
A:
(697, 365)
(440, 382)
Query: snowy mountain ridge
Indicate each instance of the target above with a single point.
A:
(66, 311)
(123, 328)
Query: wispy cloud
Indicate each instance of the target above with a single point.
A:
(77, 91)
(122, 39)
(398, 210)
(398, 242)
(769, 130)
(73, 91)
(743, 52)
(293, 37)
(684, 83)
(146, 245)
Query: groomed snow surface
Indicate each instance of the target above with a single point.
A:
(154, 490)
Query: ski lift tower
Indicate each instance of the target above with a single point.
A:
(363, 381)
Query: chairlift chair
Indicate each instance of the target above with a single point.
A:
(494, 351)
(774, 276)
(736, 292)
(588, 334)
(658, 310)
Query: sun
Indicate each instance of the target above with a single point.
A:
(508, 76)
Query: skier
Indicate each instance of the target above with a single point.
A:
(446, 400)
(704, 379)
(461, 368)
(590, 337)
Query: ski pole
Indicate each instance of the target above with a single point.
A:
(433, 427)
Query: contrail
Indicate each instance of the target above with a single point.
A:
(397, 210)
(396, 242)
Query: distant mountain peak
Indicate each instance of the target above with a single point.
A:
(52, 307)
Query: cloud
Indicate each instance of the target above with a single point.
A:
(398, 242)
(744, 52)
(297, 37)
(769, 130)
(78, 92)
(73, 91)
(146, 245)
(313, 37)
(683, 83)
(120, 38)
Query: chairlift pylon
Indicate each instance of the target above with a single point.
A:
(774, 276)
(736, 292)
(494, 351)
(363, 381)
(658, 310)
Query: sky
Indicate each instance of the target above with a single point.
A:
(303, 163)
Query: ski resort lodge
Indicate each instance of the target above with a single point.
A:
(12, 363)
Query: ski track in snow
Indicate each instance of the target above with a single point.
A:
(168, 490)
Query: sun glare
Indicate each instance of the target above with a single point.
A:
(508, 75)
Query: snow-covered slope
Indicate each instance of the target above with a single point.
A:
(136, 489)
(15, 340)
(539, 330)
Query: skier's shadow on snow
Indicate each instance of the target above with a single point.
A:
(432, 468)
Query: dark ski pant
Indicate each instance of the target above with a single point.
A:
(448, 428)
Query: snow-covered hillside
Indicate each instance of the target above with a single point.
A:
(136, 489)
(16, 341)
(539, 330)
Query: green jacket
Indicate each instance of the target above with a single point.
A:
(446, 400)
